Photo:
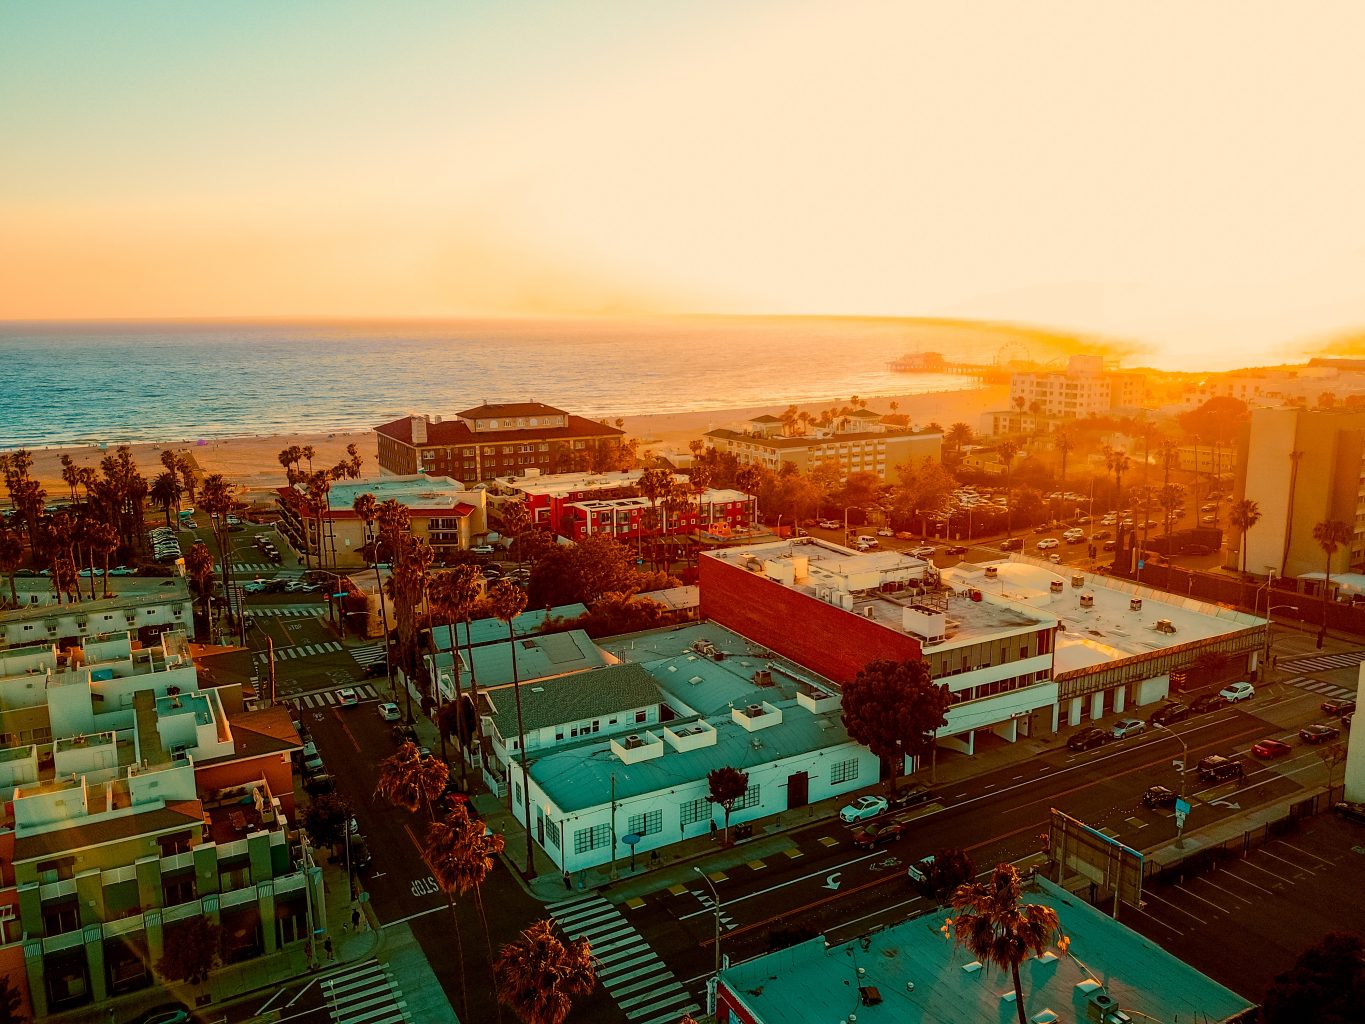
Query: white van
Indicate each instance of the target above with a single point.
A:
(866, 543)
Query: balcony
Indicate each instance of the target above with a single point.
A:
(59, 888)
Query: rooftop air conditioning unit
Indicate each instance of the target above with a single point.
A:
(1135, 604)
(1078, 581)
(1165, 626)
(1100, 1005)
(992, 572)
(754, 710)
(1055, 586)
(1087, 600)
(634, 741)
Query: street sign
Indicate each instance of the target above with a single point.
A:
(1182, 806)
(341, 594)
(1180, 818)
(1142, 564)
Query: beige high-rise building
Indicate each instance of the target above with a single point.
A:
(861, 443)
(1302, 467)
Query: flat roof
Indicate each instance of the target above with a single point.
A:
(560, 484)
(124, 591)
(883, 583)
(1110, 629)
(538, 656)
(416, 491)
(494, 631)
(815, 440)
(572, 698)
(920, 976)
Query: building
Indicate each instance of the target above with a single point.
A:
(833, 610)
(145, 605)
(547, 496)
(443, 513)
(1117, 643)
(625, 750)
(1302, 467)
(134, 802)
(1083, 389)
(1105, 973)
(719, 511)
(1207, 460)
(860, 443)
(492, 441)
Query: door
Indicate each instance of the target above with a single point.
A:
(798, 790)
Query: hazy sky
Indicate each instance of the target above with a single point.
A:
(1184, 174)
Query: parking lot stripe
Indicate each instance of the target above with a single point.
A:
(1173, 906)
(1304, 852)
(1287, 863)
(1279, 878)
(1227, 872)
(1194, 895)
(1242, 899)
(1155, 920)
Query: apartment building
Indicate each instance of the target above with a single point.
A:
(442, 512)
(860, 443)
(546, 496)
(718, 511)
(1084, 388)
(134, 803)
(145, 605)
(1302, 467)
(494, 440)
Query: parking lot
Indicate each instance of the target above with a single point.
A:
(1248, 919)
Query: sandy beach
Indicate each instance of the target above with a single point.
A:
(253, 463)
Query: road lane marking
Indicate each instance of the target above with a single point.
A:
(824, 872)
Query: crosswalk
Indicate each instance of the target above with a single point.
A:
(370, 654)
(1318, 686)
(299, 651)
(270, 567)
(329, 698)
(1323, 662)
(289, 611)
(642, 985)
(364, 992)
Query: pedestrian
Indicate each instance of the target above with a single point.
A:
(327, 945)
(653, 858)
(568, 882)
(713, 830)
(355, 919)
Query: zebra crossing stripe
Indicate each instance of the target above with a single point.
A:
(673, 1015)
(366, 993)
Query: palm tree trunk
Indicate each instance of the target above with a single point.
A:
(488, 944)
(1018, 992)
(459, 948)
(459, 705)
(521, 744)
(1326, 589)
(477, 734)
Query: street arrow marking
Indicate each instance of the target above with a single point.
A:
(832, 882)
(1226, 803)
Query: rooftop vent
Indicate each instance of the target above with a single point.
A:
(1055, 586)
(1164, 626)
(754, 710)
(1135, 604)
(992, 572)
(633, 741)
(1078, 581)
(1087, 600)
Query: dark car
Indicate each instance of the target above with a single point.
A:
(1012, 544)
(875, 835)
(1101, 535)
(1172, 711)
(1158, 796)
(911, 796)
(1338, 706)
(376, 668)
(1196, 549)
(1268, 748)
(404, 734)
(1208, 702)
(1319, 733)
(1087, 738)
(360, 853)
(318, 785)
(955, 549)
(1110, 545)
(1351, 811)
(1217, 768)
(166, 1013)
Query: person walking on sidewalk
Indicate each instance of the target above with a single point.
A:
(355, 919)
(327, 945)
(568, 881)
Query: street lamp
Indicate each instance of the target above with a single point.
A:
(1184, 763)
(1269, 579)
(1269, 622)
(716, 897)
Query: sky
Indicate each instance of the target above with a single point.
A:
(1183, 176)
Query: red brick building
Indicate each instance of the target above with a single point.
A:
(711, 511)
(492, 441)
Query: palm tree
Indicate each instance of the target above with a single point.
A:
(365, 507)
(1244, 515)
(199, 567)
(1330, 534)
(1064, 445)
(997, 929)
(653, 484)
(460, 851)
(411, 781)
(1116, 459)
(508, 601)
(539, 975)
(308, 453)
(452, 596)
(11, 555)
(958, 434)
(217, 501)
(1007, 450)
(102, 540)
(166, 493)
(407, 587)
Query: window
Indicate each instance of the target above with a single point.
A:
(516, 791)
(647, 823)
(749, 799)
(641, 717)
(552, 833)
(843, 771)
(693, 811)
(591, 838)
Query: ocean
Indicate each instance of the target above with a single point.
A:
(126, 382)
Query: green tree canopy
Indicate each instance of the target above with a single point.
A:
(894, 709)
(1220, 419)
(726, 786)
(1325, 986)
(327, 819)
(192, 947)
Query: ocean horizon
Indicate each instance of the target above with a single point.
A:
(129, 382)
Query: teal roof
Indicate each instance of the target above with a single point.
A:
(494, 631)
(809, 982)
(573, 698)
(537, 655)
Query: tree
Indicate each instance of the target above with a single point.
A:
(1220, 419)
(103, 541)
(451, 596)
(11, 1003)
(654, 484)
(958, 434)
(508, 601)
(191, 951)
(411, 781)
(1116, 461)
(199, 568)
(1326, 985)
(1330, 534)
(1007, 450)
(1064, 445)
(1243, 516)
(925, 487)
(407, 586)
(726, 786)
(217, 500)
(11, 556)
(366, 508)
(950, 869)
(1331, 755)
(894, 709)
(327, 820)
(539, 976)
(996, 928)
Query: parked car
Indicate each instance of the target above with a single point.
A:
(1217, 768)
(481, 549)
(955, 549)
(1319, 733)
(1269, 748)
(1158, 796)
(1101, 535)
(318, 785)
(1338, 706)
(923, 551)
(863, 808)
(919, 870)
(389, 712)
(1111, 545)
(886, 531)
(1351, 811)
(404, 734)
(312, 763)
(360, 854)
(875, 835)
(1087, 738)
(1208, 702)
(911, 796)
(166, 1013)
(1234, 692)
(905, 535)
(1127, 727)
(1171, 711)
(1196, 549)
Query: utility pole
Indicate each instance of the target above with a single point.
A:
(270, 654)
(613, 826)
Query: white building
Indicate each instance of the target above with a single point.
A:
(145, 605)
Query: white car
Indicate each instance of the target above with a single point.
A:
(886, 531)
(916, 870)
(347, 698)
(389, 712)
(1237, 691)
(863, 808)
(1047, 543)
(925, 551)
(1127, 727)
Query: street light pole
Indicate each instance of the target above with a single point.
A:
(1269, 624)
(1184, 763)
(716, 897)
